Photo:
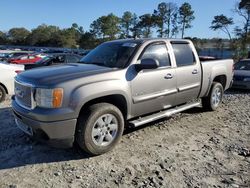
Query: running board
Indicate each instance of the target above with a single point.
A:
(162, 114)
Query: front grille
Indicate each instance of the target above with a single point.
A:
(23, 94)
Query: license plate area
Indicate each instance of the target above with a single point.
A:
(28, 130)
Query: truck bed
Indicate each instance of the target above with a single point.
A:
(211, 68)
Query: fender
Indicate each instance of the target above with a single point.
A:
(85, 93)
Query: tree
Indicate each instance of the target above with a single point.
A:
(243, 10)
(126, 23)
(222, 23)
(165, 15)
(186, 16)
(96, 28)
(146, 23)
(106, 26)
(18, 35)
(3, 38)
(175, 26)
(89, 41)
(45, 35)
(135, 28)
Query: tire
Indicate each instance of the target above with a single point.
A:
(214, 98)
(99, 128)
(2, 94)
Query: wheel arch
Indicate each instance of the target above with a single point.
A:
(117, 100)
(222, 79)
(5, 88)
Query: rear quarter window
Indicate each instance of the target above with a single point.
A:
(184, 55)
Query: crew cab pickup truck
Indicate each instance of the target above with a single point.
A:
(120, 83)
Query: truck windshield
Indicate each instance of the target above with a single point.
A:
(111, 54)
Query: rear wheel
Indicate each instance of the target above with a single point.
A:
(2, 94)
(213, 100)
(99, 128)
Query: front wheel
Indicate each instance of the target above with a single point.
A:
(214, 98)
(99, 128)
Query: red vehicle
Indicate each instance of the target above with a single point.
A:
(25, 59)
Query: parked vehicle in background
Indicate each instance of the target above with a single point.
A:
(7, 74)
(8, 55)
(54, 59)
(84, 53)
(241, 79)
(134, 81)
(23, 59)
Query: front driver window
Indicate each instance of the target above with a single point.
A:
(158, 52)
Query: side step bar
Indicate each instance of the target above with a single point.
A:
(162, 114)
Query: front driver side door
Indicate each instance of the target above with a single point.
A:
(154, 89)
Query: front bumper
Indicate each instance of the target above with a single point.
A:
(241, 85)
(55, 133)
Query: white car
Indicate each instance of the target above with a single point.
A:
(7, 74)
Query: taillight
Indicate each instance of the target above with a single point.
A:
(18, 71)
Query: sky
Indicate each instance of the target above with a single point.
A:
(62, 13)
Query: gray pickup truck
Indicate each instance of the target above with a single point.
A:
(120, 83)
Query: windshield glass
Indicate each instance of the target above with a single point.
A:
(112, 54)
(242, 65)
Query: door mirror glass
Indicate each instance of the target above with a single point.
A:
(147, 64)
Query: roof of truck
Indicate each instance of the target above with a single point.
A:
(142, 40)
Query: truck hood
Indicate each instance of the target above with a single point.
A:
(52, 75)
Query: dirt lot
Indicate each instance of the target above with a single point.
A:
(192, 149)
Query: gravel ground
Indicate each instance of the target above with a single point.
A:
(191, 149)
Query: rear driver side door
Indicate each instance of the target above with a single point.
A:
(188, 72)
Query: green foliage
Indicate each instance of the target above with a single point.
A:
(146, 24)
(222, 22)
(126, 24)
(135, 28)
(18, 35)
(106, 26)
(243, 10)
(186, 16)
(45, 35)
(3, 38)
(166, 15)
(89, 41)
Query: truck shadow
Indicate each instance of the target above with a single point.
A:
(237, 91)
(17, 149)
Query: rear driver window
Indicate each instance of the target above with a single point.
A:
(183, 55)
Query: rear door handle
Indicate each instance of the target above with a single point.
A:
(168, 76)
(195, 71)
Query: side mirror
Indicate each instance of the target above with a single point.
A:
(147, 64)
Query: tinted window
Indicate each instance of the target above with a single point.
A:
(72, 59)
(242, 65)
(59, 59)
(158, 52)
(111, 54)
(183, 54)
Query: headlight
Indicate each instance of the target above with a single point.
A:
(246, 79)
(49, 98)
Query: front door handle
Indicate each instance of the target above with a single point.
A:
(168, 76)
(195, 71)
